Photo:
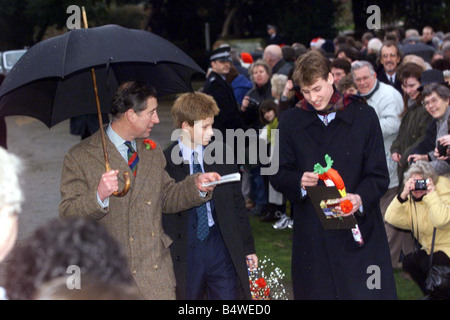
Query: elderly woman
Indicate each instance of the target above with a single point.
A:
(278, 83)
(421, 210)
(436, 98)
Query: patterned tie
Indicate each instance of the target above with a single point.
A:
(325, 119)
(133, 158)
(202, 214)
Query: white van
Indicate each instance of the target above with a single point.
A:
(9, 58)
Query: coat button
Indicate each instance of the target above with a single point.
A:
(155, 267)
(131, 239)
(152, 234)
(178, 258)
(180, 236)
(134, 271)
(149, 202)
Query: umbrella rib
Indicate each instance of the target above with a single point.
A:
(64, 53)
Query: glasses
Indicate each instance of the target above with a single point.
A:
(362, 79)
(428, 103)
(392, 55)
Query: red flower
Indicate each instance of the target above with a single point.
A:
(149, 144)
(261, 282)
(346, 206)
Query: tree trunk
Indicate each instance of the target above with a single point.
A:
(228, 22)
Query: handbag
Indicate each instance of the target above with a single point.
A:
(437, 283)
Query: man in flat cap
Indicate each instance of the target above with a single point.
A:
(222, 92)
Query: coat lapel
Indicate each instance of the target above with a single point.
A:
(144, 168)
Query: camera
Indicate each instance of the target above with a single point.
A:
(442, 150)
(420, 184)
(253, 103)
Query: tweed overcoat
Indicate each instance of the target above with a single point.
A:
(135, 220)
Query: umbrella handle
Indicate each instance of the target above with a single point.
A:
(126, 177)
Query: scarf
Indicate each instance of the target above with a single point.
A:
(337, 102)
(372, 92)
(271, 126)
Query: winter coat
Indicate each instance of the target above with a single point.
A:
(328, 264)
(412, 131)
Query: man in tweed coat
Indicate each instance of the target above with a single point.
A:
(134, 219)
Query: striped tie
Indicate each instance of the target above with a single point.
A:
(133, 157)
(202, 211)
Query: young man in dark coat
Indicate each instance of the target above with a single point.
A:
(214, 265)
(328, 264)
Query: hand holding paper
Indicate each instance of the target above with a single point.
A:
(224, 179)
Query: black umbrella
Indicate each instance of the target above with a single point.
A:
(52, 81)
(419, 49)
(56, 79)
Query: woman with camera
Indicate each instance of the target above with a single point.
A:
(424, 204)
(436, 99)
(260, 74)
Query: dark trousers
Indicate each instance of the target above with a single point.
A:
(210, 269)
(418, 265)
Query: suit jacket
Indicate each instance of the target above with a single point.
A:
(135, 219)
(229, 116)
(231, 219)
(381, 76)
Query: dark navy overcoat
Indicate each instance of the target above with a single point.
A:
(327, 264)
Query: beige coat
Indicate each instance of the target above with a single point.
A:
(135, 219)
(423, 216)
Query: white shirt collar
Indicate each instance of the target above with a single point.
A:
(186, 152)
(117, 140)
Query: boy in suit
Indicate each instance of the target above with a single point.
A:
(216, 253)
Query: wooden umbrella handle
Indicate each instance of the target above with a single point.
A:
(126, 176)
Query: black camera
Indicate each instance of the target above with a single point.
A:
(253, 103)
(442, 150)
(420, 184)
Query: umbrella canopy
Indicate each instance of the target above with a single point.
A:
(52, 81)
(419, 49)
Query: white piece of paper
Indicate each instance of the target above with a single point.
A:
(224, 179)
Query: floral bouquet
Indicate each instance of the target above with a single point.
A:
(265, 281)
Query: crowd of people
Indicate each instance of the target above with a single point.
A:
(376, 106)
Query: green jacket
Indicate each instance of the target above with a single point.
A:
(412, 131)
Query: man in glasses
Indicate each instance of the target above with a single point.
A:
(390, 57)
(221, 91)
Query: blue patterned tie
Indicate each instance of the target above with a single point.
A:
(202, 213)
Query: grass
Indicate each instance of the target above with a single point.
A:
(277, 245)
